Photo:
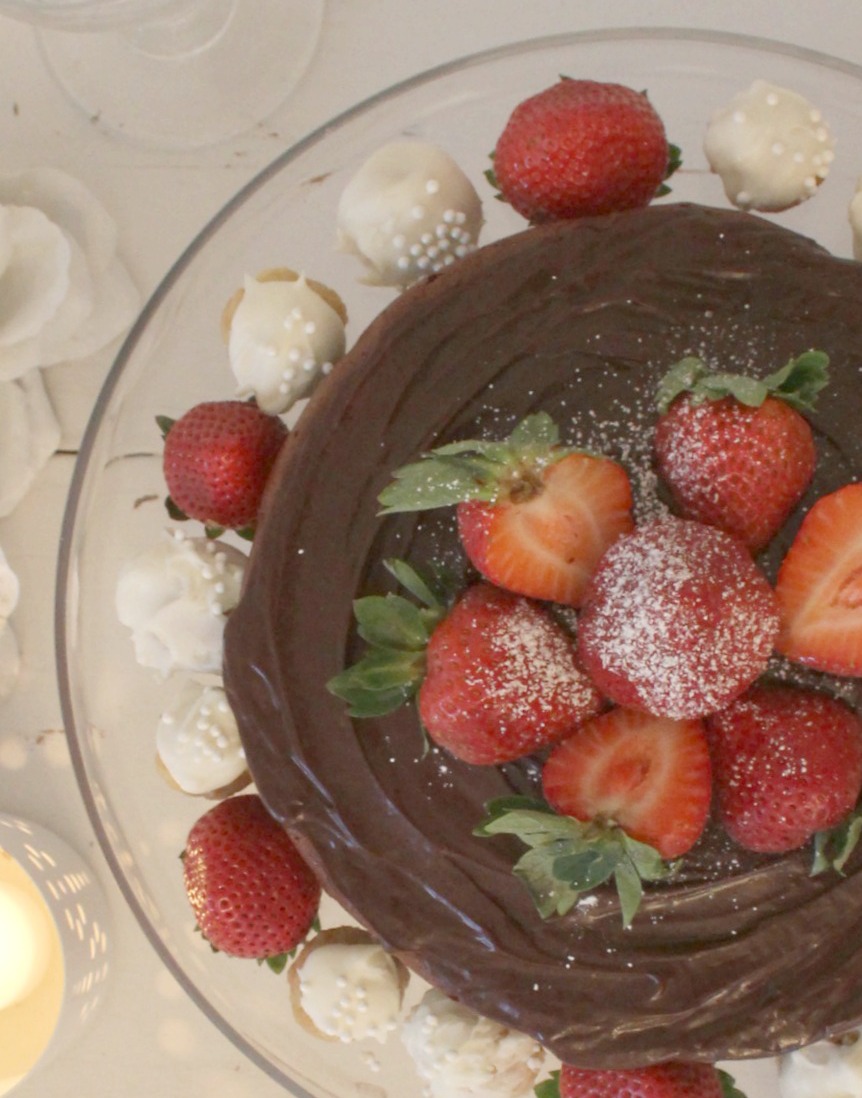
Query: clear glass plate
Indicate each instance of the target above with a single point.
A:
(175, 357)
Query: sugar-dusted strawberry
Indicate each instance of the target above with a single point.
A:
(737, 452)
(502, 679)
(534, 516)
(217, 459)
(669, 1080)
(252, 893)
(580, 148)
(787, 764)
(650, 775)
(496, 675)
(819, 586)
(678, 620)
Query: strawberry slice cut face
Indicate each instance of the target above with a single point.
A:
(534, 516)
(819, 586)
(649, 775)
(545, 540)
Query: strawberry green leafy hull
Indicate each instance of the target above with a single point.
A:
(579, 321)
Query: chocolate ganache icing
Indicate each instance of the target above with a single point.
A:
(740, 955)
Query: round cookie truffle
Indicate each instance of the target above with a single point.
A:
(345, 987)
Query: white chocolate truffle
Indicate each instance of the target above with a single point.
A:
(346, 987)
(459, 1054)
(283, 337)
(770, 147)
(826, 1069)
(855, 216)
(175, 598)
(198, 741)
(409, 211)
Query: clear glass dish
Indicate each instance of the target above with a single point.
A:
(175, 357)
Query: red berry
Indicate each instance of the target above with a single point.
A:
(671, 1080)
(217, 459)
(737, 467)
(819, 586)
(502, 679)
(677, 621)
(534, 516)
(788, 763)
(581, 148)
(650, 775)
(545, 532)
(251, 891)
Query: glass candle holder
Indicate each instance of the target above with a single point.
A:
(54, 947)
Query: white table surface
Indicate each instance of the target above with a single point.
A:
(148, 1039)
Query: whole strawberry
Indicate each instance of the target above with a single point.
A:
(534, 516)
(736, 452)
(580, 148)
(670, 1080)
(495, 676)
(217, 459)
(252, 893)
(502, 679)
(678, 620)
(787, 764)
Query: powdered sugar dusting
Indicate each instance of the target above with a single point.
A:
(679, 622)
(540, 673)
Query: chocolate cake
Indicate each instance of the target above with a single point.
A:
(740, 955)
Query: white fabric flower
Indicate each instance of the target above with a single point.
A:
(10, 660)
(29, 435)
(63, 292)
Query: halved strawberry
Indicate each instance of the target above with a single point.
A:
(534, 516)
(735, 451)
(819, 586)
(625, 793)
(649, 775)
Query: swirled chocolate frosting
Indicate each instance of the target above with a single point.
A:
(739, 955)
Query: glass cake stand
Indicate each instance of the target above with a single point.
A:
(175, 357)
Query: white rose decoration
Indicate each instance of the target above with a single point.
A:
(10, 661)
(29, 435)
(63, 292)
(64, 295)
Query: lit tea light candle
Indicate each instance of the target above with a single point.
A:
(31, 974)
(53, 947)
(25, 944)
